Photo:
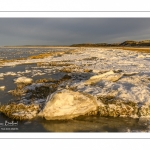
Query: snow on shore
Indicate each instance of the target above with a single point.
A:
(116, 76)
(103, 59)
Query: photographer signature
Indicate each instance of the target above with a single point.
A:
(6, 123)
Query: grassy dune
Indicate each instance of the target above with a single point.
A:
(138, 49)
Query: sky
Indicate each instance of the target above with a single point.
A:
(67, 31)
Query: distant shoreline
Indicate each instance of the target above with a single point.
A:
(116, 47)
(125, 44)
(35, 46)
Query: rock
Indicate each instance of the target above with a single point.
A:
(67, 104)
(109, 76)
(23, 80)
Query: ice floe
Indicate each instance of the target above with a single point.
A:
(23, 80)
(2, 87)
(10, 74)
(67, 104)
(1, 75)
(109, 76)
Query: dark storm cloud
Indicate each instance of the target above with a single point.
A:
(55, 31)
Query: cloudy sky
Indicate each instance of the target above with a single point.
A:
(67, 31)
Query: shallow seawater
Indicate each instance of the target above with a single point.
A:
(80, 124)
(14, 53)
